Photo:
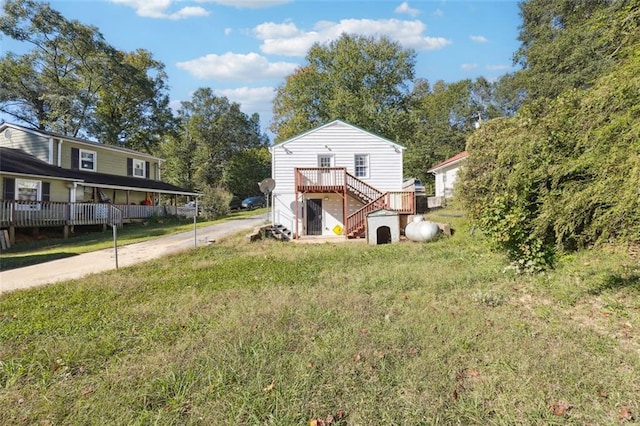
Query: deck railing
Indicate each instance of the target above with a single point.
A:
(399, 201)
(319, 179)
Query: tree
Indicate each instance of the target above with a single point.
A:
(442, 117)
(75, 83)
(133, 111)
(362, 80)
(568, 44)
(563, 173)
(216, 135)
(54, 86)
(245, 170)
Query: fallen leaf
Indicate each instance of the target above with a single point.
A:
(602, 394)
(473, 373)
(270, 387)
(87, 391)
(412, 351)
(560, 408)
(625, 413)
(356, 357)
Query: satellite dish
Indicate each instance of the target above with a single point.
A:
(267, 185)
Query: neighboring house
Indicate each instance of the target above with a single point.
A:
(48, 179)
(328, 179)
(446, 174)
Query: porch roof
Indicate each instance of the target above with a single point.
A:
(18, 162)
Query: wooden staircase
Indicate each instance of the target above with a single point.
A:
(338, 180)
(360, 190)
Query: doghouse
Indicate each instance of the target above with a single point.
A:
(383, 227)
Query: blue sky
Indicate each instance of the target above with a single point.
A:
(244, 49)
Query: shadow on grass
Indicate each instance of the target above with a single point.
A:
(617, 282)
(9, 263)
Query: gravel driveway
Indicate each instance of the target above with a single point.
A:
(103, 260)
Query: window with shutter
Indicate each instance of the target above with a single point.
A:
(9, 189)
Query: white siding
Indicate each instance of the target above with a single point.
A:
(343, 142)
(445, 181)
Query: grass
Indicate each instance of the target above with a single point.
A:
(241, 333)
(90, 239)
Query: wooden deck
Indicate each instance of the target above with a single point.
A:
(338, 180)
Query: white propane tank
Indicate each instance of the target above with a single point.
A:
(421, 230)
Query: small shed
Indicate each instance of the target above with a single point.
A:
(383, 227)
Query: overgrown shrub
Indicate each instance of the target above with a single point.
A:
(561, 175)
(215, 202)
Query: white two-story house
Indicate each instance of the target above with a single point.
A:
(328, 179)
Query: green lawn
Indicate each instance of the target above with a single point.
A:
(240, 333)
(88, 239)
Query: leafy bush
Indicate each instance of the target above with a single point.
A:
(215, 202)
(561, 175)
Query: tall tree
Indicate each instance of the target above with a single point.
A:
(567, 44)
(363, 80)
(55, 85)
(73, 82)
(133, 111)
(215, 131)
(442, 116)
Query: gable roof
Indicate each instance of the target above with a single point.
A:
(17, 162)
(93, 144)
(331, 123)
(448, 162)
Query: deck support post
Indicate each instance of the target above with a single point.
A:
(12, 234)
(65, 232)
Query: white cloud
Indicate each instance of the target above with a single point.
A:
(497, 67)
(438, 13)
(288, 40)
(251, 99)
(468, 67)
(233, 66)
(159, 9)
(405, 8)
(247, 4)
(478, 38)
(228, 31)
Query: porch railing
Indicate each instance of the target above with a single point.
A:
(24, 214)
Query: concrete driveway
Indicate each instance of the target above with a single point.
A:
(103, 260)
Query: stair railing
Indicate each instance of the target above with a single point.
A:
(361, 189)
(356, 220)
